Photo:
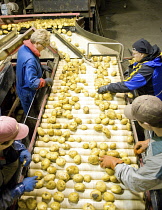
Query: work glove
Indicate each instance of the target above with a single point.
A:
(46, 68)
(103, 89)
(49, 81)
(141, 146)
(109, 161)
(29, 183)
(25, 156)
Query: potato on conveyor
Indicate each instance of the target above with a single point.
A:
(86, 146)
(39, 184)
(52, 156)
(72, 153)
(77, 159)
(31, 203)
(113, 153)
(109, 206)
(58, 197)
(46, 195)
(95, 151)
(105, 177)
(124, 121)
(116, 189)
(45, 164)
(42, 206)
(87, 178)
(88, 206)
(40, 131)
(109, 171)
(80, 187)
(93, 159)
(113, 146)
(103, 146)
(78, 178)
(60, 185)
(35, 158)
(72, 170)
(96, 195)
(63, 175)
(50, 185)
(55, 206)
(130, 139)
(109, 197)
(92, 144)
(73, 197)
(101, 186)
(102, 153)
(107, 132)
(86, 110)
(39, 175)
(51, 169)
(126, 160)
(21, 204)
(60, 161)
(113, 179)
(49, 177)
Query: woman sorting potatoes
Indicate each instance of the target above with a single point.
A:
(145, 73)
(147, 110)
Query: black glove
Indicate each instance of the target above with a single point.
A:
(46, 68)
(103, 89)
(49, 81)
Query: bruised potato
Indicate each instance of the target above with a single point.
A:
(96, 195)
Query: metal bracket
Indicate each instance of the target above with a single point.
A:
(121, 48)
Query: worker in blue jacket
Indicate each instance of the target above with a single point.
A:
(11, 152)
(146, 72)
(29, 69)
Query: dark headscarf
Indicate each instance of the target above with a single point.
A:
(143, 46)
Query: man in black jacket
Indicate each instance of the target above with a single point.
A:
(146, 72)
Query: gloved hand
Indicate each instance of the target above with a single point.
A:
(103, 89)
(25, 155)
(49, 81)
(141, 146)
(109, 161)
(29, 183)
(46, 68)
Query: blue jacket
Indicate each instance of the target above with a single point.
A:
(145, 77)
(28, 74)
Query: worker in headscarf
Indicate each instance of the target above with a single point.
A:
(146, 72)
(147, 110)
(29, 69)
(12, 151)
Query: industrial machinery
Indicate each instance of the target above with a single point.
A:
(66, 120)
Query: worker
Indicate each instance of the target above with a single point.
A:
(11, 152)
(146, 72)
(147, 110)
(29, 69)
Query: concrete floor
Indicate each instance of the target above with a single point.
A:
(129, 20)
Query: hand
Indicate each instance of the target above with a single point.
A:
(25, 155)
(49, 81)
(141, 146)
(109, 161)
(46, 68)
(29, 183)
(103, 89)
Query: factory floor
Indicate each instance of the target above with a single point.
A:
(130, 20)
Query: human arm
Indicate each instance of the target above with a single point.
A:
(109, 161)
(141, 146)
(8, 196)
(24, 153)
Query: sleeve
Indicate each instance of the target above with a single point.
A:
(147, 177)
(32, 72)
(5, 199)
(139, 78)
(118, 87)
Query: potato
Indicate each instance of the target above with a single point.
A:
(111, 114)
(113, 146)
(55, 206)
(39, 184)
(126, 160)
(49, 177)
(116, 189)
(130, 139)
(80, 187)
(86, 146)
(54, 148)
(46, 195)
(72, 170)
(63, 175)
(58, 197)
(107, 132)
(50, 185)
(93, 159)
(72, 153)
(78, 178)
(52, 156)
(103, 146)
(102, 153)
(124, 121)
(43, 152)
(60, 161)
(101, 186)
(123, 154)
(77, 159)
(88, 206)
(109, 171)
(73, 197)
(92, 144)
(40, 131)
(113, 153)
(113, 179)
(95, 151)
(105, 177)
(61, 185)
(45, 164)
(51, 169)
(109, 206)
(42, 206)
(35, 158)
(86, 110)
(96, 195)
(105, 121)
(21, 204)
(98, 127)
(87, 178)
(31, 203)
(108, 197)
